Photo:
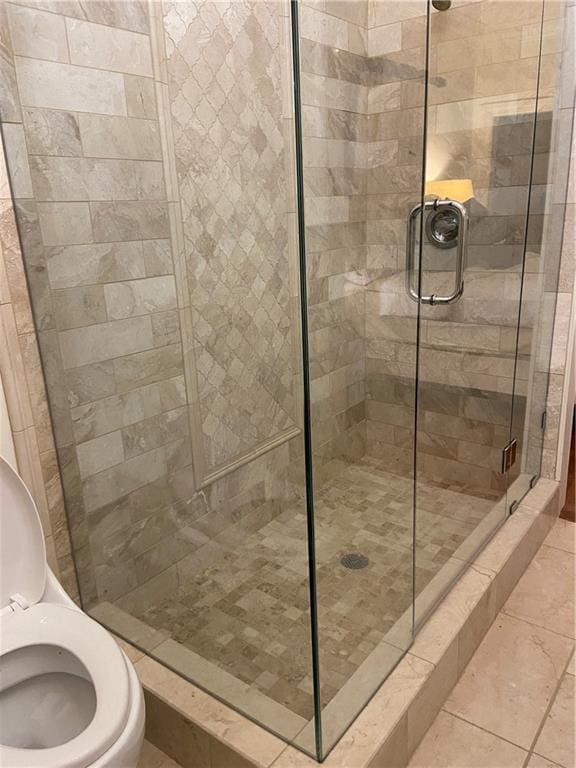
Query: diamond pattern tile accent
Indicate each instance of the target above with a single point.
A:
(226, 64)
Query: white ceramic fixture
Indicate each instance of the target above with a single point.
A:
(69, 697)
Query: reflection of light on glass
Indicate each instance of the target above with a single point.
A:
(451, 189)
(439, 156)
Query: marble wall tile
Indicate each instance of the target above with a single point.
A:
(140, 97)
(37, 34)
(52, 132)
(507, 77)
(319, 59)
(104, 341)
(76, 307)
(504, 14)
(61, 86)
(71, 179)
(65, 223)
(13, 373)
(384, 39)
(122, 137)
(380, 13)
(351, 10)
(29, 465)
(384, 98)
(73, 265)
(104, 47)
(320, 91)
(166, 328)
(37, 394)
(26, 400)
(132, 15)
(156, 431)
(9, 98)
(322, 122)
(17, 159)
(140, 297)
(117, 481)
(14, 286)
(129, 221)
(89, 382)
(157, 257)
(323, 28)
(147, 367)
(95, 418)
(99, 454)
(467, 51)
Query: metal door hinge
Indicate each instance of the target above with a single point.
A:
(543, 420)
(508, 456)
(514, 506)
(534, 480)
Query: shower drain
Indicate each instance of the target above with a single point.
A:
(354, 561)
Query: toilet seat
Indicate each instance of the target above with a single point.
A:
(76, 633)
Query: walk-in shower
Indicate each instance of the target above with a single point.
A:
(293, 269)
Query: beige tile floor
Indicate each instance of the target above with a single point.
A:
(247, 611)
(514, 705)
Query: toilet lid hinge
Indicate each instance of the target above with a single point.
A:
(17, 603)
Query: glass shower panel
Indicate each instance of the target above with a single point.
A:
(482, 96)
(535, 380)
(363, 118)
(158, 233)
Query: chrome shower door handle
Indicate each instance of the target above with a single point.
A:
(462, 215)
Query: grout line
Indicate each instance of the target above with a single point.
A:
(548, 708)
(485, 730)
(559, 549)
(67, 37)
(76, 113)
(104, 70)
(120, 159)
(532, 623)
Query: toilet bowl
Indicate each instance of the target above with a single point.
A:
(69, 697)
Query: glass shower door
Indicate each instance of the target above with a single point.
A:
(482, 91)
(362, 169)
(418, 170)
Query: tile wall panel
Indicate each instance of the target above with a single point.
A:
(93, 219)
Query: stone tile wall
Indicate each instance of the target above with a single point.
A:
(482, 95)
(336, 158)
(83, 145)
(227, 73)
(563, 246)
(165, 429)
(23, 385)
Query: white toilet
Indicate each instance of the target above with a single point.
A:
(69, 697)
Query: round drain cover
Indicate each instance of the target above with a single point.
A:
(354, 561)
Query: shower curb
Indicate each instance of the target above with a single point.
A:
(198, 730)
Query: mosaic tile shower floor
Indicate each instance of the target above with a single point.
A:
(248, 613)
